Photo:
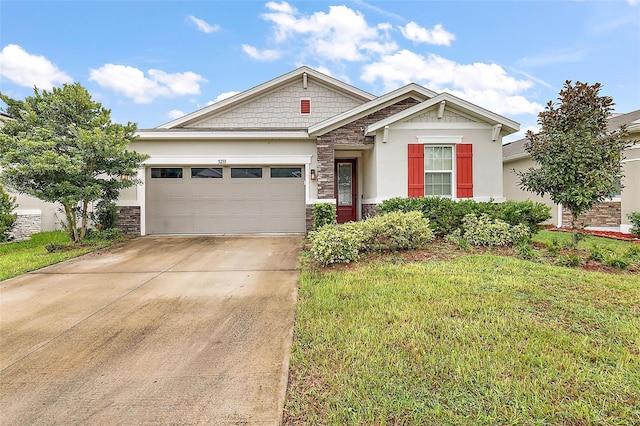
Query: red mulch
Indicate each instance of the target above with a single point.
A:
(605, 234)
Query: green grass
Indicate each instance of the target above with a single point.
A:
(588, 243)
(25, 256)
(481, 339)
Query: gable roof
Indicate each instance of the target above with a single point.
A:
(299, 73)
(508, 126)
(515, 150)
(410, 90)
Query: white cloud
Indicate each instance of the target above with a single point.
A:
(438, 35)
(204, 26)
(133, 83)
(487, 85)
(29, 70)
(222, 96)
(261, 55)
(175, 113)
(340, 34)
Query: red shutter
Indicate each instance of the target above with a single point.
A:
(464, 170)
(416, 170)
(305, 106)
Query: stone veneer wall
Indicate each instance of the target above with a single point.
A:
(348, 135)
(129, 220)
(606, 214)
(309, 217)
(26, 224)
(370, 210)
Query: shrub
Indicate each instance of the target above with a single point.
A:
(481, 231)
(446, 215)
(456, 238)
(569, 259)
(634, 217)
(618, 262)
(106, 214)
(54, 247)
(7, 217)
(396, 231)
(526, 250)
(336, 243)
(323, 214)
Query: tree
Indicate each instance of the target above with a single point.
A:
(61, 146)
(579, 158)
(7, 216)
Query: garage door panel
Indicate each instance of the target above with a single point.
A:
(224, 205)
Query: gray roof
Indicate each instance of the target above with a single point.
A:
(514, 150)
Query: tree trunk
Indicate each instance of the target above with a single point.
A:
(71, 223)
(574, 231)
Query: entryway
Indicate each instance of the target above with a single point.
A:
(346, 190)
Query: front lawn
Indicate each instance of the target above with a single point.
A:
(25, 256)
(473, 339)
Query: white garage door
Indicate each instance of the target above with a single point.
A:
(224, 200)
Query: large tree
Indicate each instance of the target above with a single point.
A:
(61, 146)
(578, 157)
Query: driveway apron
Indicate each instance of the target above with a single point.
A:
(158, 330)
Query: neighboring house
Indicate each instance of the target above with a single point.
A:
(258, 161)
(611, 213)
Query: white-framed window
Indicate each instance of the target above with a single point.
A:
(438, 170)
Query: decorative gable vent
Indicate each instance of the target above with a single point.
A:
(305, 106)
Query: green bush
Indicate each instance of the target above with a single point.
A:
(54, 247)
(7, 217)
(392, 231)
(106, 214)
(446, 215)
(482, 231)
(397, 231)
(336, 243)
(570, 260)
(323, 214)
(634, 217)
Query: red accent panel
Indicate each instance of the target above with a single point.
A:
(416, 170)
(305, 106)
(464, 170)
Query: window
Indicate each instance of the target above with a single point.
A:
(438, 171)
(305, 106)
(166, 173)
(206, 172)
(286, 172)
(246, 172)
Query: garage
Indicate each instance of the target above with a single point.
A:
(225, 200)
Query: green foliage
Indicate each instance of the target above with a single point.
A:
(570, 259)
(106, 214)
(618, 262)
(446, 215)
(54, 247)
(7, 217)
(336, 243)
(578, 157)
(526, 250)
(397, 231)
(482, 231)
(456, 238)
(61, 146)
(392, 231)
(109, 234)
(634, 217)
(323, 214)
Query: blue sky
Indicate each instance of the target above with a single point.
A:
(151, 61)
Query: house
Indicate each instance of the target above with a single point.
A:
(611, 213)
(257, 162)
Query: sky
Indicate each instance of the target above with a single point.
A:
(150, 62)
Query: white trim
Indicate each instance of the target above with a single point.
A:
(375, 104)
(228, 160)
(374, 200)
(629, 160)
(195, 134)
(325, 200)
(625, 229)
(559, 221)
(439, 140)
(305, 99)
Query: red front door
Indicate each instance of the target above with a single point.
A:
(346, 190)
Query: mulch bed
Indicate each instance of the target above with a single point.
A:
(605, 234)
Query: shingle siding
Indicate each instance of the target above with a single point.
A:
(281, 109)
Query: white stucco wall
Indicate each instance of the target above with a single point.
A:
(391, 164)
(630, 197)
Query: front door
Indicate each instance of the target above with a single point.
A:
(346, 190)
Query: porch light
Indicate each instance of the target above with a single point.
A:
(313, 174)
(124, 177)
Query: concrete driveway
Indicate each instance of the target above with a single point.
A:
(158, 330)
